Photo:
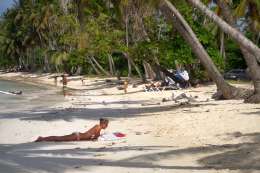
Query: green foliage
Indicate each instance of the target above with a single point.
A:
(41, 35)
(234, 56)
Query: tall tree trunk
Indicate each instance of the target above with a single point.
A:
(64, 5)
(126, 30)
(146, 70)
(127, 42)
(160, 74)
(172, 14)
(129, 68)
(46, 63)
(222, 46)
(100, 67)
(232, 32)
(111, 64)
(149, 73)
(139, 33)
(127, 39)
(94, 67)
(254, 67)
(135, 66)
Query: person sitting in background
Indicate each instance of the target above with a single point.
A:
(183, 78)
(91, 134)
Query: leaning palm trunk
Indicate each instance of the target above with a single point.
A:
(135, 66)
(149, 73)
(222, 46)
(236, 35)
(172, 14)
(94, 67)
(111, 64)
(129, 68)
(99, 66)
(254, 68)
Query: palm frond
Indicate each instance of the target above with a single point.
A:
(241, 8)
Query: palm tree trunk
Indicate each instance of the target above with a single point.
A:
(126, 30)
(111, 64)
(222, 46)
(135, 66)
(160, 74)
(46, 63)
(100, 67)
(94, 67)
(236, 35)
(127, 43)
(146, 73)
(254, 68)
(129, 68)
(172, 14)
(150, 74)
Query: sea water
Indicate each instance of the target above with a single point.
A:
(32, 97)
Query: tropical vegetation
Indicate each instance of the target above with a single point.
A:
(127, 37)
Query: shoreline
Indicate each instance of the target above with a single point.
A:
(28, 78)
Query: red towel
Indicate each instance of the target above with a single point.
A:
(120, 135)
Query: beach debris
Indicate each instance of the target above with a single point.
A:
(237, 134)
(16, 92)
(165, 100)
(104, 103)
(99, 154)
(147, 132)
(183, 96)
(138, 133)
(184, 103)
(120, 87)
(11, 92)
(172, 95)
(108, 80)
(149, 104)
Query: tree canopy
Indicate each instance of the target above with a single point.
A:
(81, 37)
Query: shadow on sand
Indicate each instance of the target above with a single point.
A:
(94, 113)
(33, 157)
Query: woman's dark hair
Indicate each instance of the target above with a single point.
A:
(103, 120)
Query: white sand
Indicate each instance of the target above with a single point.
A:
(204, 136)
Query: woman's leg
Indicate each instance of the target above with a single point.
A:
(71, 137)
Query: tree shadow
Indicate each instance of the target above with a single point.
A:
(252, 113)
(245, 156)
(45, 157)
(93, 113)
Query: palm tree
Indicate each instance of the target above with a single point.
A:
(254, 67)
(250, 10)
(232, 32)
(225, 90)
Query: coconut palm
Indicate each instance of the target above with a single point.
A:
(254, 67)
(232, 32)
(227, 91)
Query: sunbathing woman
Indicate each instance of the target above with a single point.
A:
(91, 134)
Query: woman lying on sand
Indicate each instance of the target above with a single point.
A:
(91, 134)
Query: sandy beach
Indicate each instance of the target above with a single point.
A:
(203, 135)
